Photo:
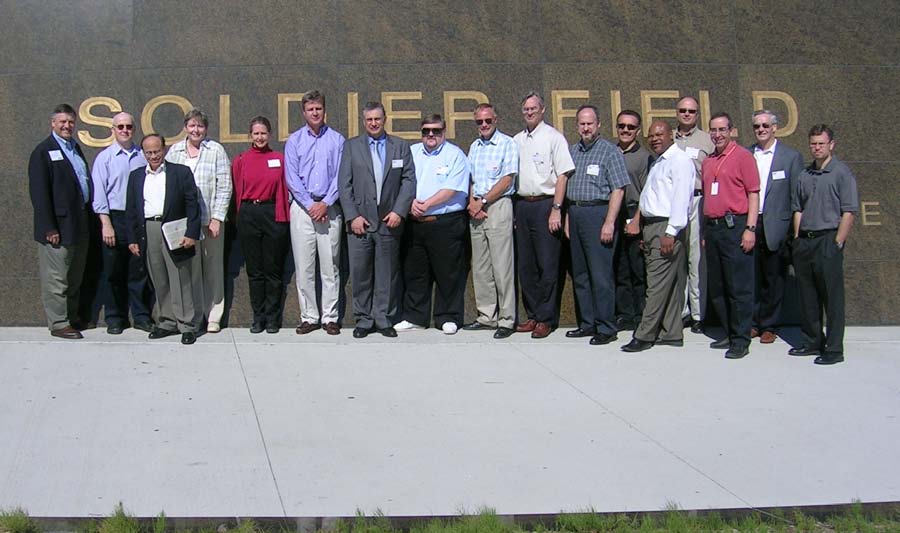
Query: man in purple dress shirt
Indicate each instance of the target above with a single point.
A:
(312, 157)
(123, 280)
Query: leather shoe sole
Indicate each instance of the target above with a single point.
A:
(159, 333)
(737, 352)
(723, 344)
(601, 339)
(578, 333)
(67, 332)
(637, 345)
(829, 359)
(803, 351)
(503, 333)
(477, 326)
(188, 338)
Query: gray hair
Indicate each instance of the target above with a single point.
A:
(533, 94)
(766, 112)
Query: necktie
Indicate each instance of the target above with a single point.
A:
(377, 167)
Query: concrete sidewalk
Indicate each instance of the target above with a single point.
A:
(428, 424)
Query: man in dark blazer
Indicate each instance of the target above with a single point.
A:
(60, 187)
(377, 182)
(779, 166)
(158, 193)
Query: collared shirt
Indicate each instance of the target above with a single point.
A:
(155, 192)
(599, 170)
(212, 176)
(492, 159)
(110, 175)
(78, 164)
(444, 168)
(764, 165)
(733, 175)
(669, 189)
(698, 146)
(312, 164)
(637, 162)
(543, 157)
(824, 195)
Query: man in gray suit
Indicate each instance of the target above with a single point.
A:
(779, 166)
(377, 183)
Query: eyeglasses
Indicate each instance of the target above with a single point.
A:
(687, 111)
(128, 127)
(432, 131)
(719, 130)
(629, 127)
(763, 126)
(481, 121)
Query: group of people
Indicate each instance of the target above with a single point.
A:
(642, 227)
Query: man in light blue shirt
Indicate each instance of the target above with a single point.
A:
(436, 253)
(123, 279)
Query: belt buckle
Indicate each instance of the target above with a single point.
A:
(810, 235)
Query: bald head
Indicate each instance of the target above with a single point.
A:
(660, 136)
(123, 129)
(687, 112)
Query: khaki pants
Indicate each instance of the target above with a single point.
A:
(666, 277)
(208, 278)
(61, 269)
(493, 276)
(317, 240)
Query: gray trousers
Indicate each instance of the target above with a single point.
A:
(493, 277)
(375, 273)
(666, 279)
(172, 281)
(61, 269)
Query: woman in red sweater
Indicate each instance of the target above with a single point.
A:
(263, 216)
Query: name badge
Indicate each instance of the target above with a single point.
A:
(396, 163)
(714, 189)
(442, 171)
(778, 175)
(274, 163)
(56, 155)
(537, 159)
(692, 152)
(593, 170)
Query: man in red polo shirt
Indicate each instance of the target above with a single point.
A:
(730, 209)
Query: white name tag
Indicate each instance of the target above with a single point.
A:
(778, 175)
(593, 170)
(714, 189)
(396, 163)
(692, 152)
(442, 171)
(537, 159)
(56, 155)
(274, 163)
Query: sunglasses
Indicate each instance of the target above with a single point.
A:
(629, 127)
(432, 131)
(763, 126)
(481, 121)
(687, 111)
(128, 127)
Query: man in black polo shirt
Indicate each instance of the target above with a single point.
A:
(825, 202)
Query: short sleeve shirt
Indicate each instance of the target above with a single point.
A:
(599, 169)
(731, 175)
(543, 157)
(824, 195)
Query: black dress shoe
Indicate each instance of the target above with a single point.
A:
(723, 344)
(115, 329)
(477, 326)
(257, 327)
(637, 345)
(360, 333)
(697, 327)
(188, 338)
(673, 342)
(803, 351)
(602, 338)
(388, 331)
(272, 329)
(829, 359)
(159, 333)
(144, 326)
(623, 324)
(737, 352)
(503, 333)
(580, 332)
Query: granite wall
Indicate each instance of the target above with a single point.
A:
(830, 61)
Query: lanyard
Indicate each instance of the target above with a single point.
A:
(722, 161)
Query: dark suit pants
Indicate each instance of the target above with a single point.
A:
(436, 258)
(123, 281)
(375, 275)
(631, 282)
(264, 244)
(730, 278)
(171, 282)
(771, 270)
(592, 269)
(666, 279)
(819, 266)
(537, 256)
(61, 269)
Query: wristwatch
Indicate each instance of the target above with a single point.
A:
(556, 206)
(750, 228)
(484, 202)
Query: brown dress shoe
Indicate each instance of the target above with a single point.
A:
(67, 332)
(526, 326)
(541, 330)
(767, 337)
(754, 333)
(332, 328)
(306, 327)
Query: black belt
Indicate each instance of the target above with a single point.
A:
(154, 219)
(588, 203)
(257, 202)
(435, 218)
(710, 221)
(536, 198)
(805, 234)
(654, 220)
(698, 192)
(316, 198)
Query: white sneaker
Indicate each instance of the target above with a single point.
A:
(213, 327)
(449, 328)
(405, 325)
